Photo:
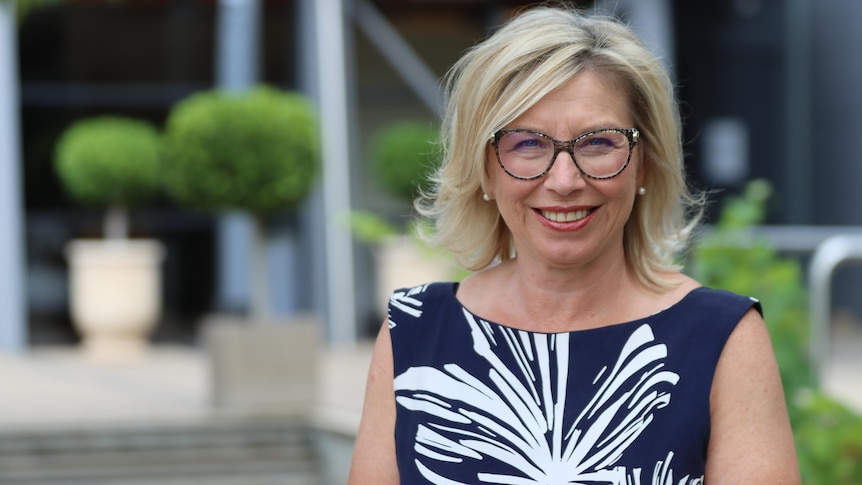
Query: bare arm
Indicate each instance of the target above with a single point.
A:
(751, 440)
(374, 451)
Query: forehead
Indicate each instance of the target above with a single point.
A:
(588, 100)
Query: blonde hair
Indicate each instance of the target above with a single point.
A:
(499, 79)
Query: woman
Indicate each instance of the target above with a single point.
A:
(577, 352)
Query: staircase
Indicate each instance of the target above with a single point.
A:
(213, 453)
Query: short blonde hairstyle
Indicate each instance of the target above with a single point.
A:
(499, 79)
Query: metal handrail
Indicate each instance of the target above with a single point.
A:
(828, 255)
(830, 247)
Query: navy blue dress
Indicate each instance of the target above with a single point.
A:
(479, 402)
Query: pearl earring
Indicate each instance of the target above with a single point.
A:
(641, 191)
(486, 197)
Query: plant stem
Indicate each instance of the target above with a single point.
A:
(116, 223)
(259, 307)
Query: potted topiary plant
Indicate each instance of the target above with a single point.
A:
(115, 282)
(402, 157)
(257, 152)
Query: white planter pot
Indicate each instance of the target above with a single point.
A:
(401, 262)
(115, 293)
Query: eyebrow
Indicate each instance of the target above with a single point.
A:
(593, 130)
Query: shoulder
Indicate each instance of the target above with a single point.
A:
(436, 289)
(721, 304)
(689, 297)
(416, 301)
(723, 299)
(699, 323)
(415, 314)
(748, 345)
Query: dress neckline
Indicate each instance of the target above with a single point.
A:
(637, 321)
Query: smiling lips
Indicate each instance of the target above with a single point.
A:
(570, 216)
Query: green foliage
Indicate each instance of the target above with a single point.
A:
(257, 151)
(109, 160)
(828, 436)
(731, 258)
(828, 441)
(370, 228)
(403, 155)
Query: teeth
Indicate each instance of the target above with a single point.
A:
(565, 216)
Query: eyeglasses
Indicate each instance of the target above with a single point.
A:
(598, 154)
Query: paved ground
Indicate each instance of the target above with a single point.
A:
(61, 387)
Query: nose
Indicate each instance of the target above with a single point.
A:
(564, 176)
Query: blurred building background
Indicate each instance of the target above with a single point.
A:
(768, 89)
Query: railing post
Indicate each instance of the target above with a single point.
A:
(828, 255)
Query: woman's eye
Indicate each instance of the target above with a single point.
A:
(597, 141)
(530, 143)
(602, 143)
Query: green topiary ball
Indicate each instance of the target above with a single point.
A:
(257, 151)
(109, 160)
(403, 155)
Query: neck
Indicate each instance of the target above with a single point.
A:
(559, 299)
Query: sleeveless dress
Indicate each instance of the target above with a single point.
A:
(479, 402)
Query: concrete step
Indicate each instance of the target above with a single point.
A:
(219, 453)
